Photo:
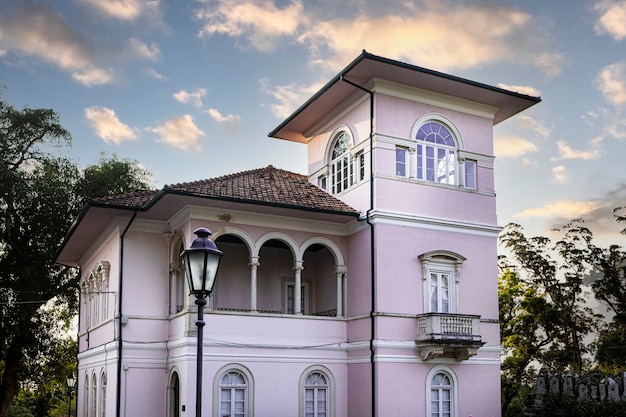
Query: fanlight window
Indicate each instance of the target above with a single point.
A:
(316, 395)
(233, 388)
(436, 154)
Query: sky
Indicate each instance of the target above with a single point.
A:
(190, 89)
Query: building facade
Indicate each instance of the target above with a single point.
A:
(367, 287)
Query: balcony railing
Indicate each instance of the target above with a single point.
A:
(441, 333)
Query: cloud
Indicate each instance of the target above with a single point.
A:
(180, 132)
(36, 29)
(261, 23)
(611, 82)
(561, 209)
(194, 98)
(522, 89)
(289, 97)
(232, 120)
(530, 123)
(107, 126)
(597, 214)
(129, 10)
(566, 152)
(513, 147)
(560, 174)
(139, 48)
(612, 20)
(428, 34)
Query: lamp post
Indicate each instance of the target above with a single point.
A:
(201, 261)
(71, 382)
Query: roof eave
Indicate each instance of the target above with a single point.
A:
(287, 130)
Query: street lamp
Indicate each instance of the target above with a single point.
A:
(201, 261)
(71, 382)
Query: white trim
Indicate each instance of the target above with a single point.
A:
(419, 95)
(434, 223)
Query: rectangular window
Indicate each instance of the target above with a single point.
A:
(439, 292)
(360, 166)
(470, 174)
(401, 162)
(290, 294)
(321, 182)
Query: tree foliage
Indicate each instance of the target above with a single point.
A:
(40, 195)
(545, 315)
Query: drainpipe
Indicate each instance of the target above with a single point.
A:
(372, 251)
(120, 343)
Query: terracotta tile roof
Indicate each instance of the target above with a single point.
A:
(267, 186)
(270, 186)
(136, 199)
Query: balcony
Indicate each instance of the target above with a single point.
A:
(448, 335)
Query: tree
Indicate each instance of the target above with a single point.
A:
(557, 270)
(545, 319)
(40, 195)
(526, 328)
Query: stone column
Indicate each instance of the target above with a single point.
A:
(297, 291)
(254, 265)
(340, 272)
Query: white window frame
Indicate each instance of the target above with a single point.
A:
(469, 174)
(346, 169)
(453, 387)
(330, 391)
(451, 152)
(86, 397)
(248, 393)
(103, 394)
(402, 160)
(93, 401)
(441, 262)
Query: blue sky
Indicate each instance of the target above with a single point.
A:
(190, 89)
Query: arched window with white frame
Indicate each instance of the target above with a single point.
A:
(103, 394)
(442, 392)
(93, 401)
(233, 392)
(86, 396)
(438, 156)
(317, 393)
(346, 167)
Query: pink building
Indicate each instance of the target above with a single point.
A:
(366, 288)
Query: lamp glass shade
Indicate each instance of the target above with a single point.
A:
(71, 381)
(201, 261)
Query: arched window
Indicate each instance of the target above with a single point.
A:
(103, 395)
(442, 393)
(234, 393)
(174, 396)
(177, 279)
(341, 164)
(345, 168)
(436, 154)
(102, 274)
(93, 401)
(316, 393)
(86, 397)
